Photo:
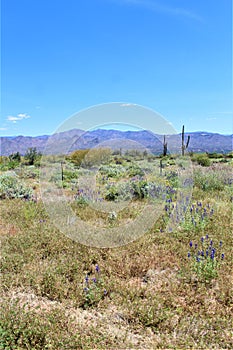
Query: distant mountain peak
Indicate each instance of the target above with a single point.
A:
(200, 141)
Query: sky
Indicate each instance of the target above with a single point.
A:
(60, 57)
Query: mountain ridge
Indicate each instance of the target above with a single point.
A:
(200, 141)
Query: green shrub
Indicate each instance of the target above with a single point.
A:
(112, 170)
(11, 187)
(203, 160)
(32, 156)
(134, 170)
(20, 329)
(208, 182)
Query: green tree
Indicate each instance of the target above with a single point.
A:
(32, 155)
(15, 157)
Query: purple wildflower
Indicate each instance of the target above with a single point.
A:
(190, 244)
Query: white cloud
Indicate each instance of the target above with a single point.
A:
(19, 116)
(23, 116)
(2, 129)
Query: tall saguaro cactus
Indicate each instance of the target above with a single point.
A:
(183, 146)
(164, 146)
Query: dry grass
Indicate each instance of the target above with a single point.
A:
(153, 298)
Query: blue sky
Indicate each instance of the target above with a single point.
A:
(60, 57)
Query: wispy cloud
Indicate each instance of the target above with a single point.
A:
(162, 8)
(20, 116)
(3, 128)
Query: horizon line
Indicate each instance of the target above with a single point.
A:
(111, 129)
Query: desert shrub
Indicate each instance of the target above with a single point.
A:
(15, 156)
(96, 156)
(203, 160)
(137, 189)
(112, 170)
(140, 189)
(30, 173)
(134, 170)
(90, 157)
(229, 155)
(77, 157)
(208, 182)
(32, 156)
(112, 194)
(11, 187)
(20, 329)
(69, 175)
(172, 177)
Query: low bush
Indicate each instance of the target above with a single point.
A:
(11, 187)
(208, 182)
(203, 160)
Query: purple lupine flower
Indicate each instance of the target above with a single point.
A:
(207, 253)
(212, 255)
(86, 279)
(222, 256)
(94, 280)
(202, 253)
(189, 254)
(195, 245)
(211, 242)
(206, 236)
(97, 268)
(220, 243)
(105, 292)
(202, 239)
(85, 289)
(190, 244)
(198, 259)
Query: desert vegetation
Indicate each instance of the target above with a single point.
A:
(169, 288)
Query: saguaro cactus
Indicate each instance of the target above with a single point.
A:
(183, 146)
(164, 146)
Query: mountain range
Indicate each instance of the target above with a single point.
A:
(68, 141)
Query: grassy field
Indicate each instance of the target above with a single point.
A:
(168, 289)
